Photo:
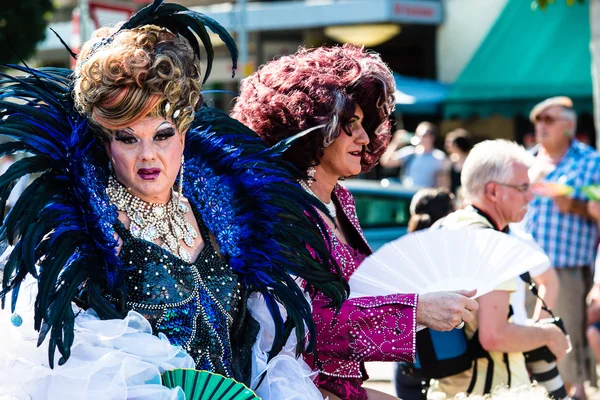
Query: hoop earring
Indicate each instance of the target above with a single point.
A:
(311, 175)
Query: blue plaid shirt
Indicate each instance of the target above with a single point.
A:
(569, 240)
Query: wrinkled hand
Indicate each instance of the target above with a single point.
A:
(563, 203)
(443, 311)
(556, 341)
(593, 208)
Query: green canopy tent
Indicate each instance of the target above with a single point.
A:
(527, 56)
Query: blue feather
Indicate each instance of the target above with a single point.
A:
(263, 220)
(248, 197)
(62, 223)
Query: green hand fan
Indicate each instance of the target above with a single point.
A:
(592, 192)
(205, 385)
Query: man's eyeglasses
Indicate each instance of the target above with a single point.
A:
(524, 188)
(547, 119)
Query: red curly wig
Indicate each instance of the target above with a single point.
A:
(314, 87)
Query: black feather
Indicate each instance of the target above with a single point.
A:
(187, 23)
(65, 45)
(59, 236)
(289, 222)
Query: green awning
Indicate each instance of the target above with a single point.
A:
(528, 56)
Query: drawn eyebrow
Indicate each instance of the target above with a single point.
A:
(163, 124)
(124, 131)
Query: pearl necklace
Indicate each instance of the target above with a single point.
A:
(330, 206)
(151, 221)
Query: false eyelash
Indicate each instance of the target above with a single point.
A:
(167, 132)
(124, 138)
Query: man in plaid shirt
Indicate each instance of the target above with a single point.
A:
(561, 224)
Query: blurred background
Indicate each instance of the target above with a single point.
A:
(478, 65)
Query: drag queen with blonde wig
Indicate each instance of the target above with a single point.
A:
(151, 222)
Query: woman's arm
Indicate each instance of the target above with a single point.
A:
(383, 328)
(378, 328)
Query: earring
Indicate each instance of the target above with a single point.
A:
(180, 191)
(311, 175)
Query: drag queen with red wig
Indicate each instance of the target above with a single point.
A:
(346, 93)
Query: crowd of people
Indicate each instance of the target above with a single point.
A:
(158, 233)
(498, 183)
(421, 164)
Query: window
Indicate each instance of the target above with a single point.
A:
(380, 211)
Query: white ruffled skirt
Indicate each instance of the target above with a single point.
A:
(111, 359)
(286, 377)
(122, 359)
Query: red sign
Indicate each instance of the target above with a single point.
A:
(417, 11)
(98, 6)
(413, 11)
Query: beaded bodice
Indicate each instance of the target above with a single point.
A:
(193, 304)
(376, 328)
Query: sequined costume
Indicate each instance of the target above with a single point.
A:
(381, 328)
(197, 301)
(73, 295)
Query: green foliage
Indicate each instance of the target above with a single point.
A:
(22, 26)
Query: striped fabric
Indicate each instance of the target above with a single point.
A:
(569, 240)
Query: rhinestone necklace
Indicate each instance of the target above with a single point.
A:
(151, 221)
(330, 206)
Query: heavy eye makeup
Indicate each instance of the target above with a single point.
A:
(125, 136)
(165, 133)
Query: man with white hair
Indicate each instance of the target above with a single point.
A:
(497, 190)
(561, 224)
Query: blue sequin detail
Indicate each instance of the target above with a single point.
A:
(214, 195)
(16, 320)
(93, 180)
(191, 303)
(178, 323)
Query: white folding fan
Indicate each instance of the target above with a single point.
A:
(445, 260)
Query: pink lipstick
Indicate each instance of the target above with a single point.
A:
(149, 173)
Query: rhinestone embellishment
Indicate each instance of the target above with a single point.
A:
(150, 221)
(16, 320)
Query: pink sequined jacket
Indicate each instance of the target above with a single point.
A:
(381, 328)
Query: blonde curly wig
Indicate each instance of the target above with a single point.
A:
(147, 71)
